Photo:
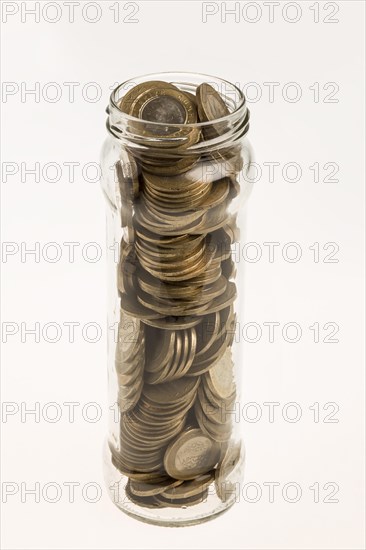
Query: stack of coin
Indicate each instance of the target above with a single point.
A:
(159, 416)
(175, 280)
(216, 397)
(130, 361)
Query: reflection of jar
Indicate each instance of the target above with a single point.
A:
(174, 191)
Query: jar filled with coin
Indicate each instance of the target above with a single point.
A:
(175, 173)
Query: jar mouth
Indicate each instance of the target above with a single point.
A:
(188, 82)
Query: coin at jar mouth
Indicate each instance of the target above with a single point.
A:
(130, 97)
(165, 106)
(211, 106)
(171, 114)
(191, 454)
(192, 97)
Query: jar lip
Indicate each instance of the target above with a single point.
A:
(239, 109)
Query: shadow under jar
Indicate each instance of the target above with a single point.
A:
(175, 175)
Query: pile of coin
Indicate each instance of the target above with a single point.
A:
(173, 359)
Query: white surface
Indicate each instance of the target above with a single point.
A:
(172, 36)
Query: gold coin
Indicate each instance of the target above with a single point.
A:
(173, 166)
(127, 176)
(190, 455)
(145, 502)
(199, 175)
(160, 344)
(224, 487)
(173, 323)
(189, 489)
(130, 305)
(130, 333)
(192, 97)
(218, 432)
(172, 392)
(220, 378)
(145, 489)
(168, 110)
(211, 106)
(181, 503)
(207, 332)
(129, 396)
(130, 97)
(165, 105)
(207, 360)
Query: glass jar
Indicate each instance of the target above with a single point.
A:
(175, 454)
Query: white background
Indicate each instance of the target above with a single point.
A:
(172, 36)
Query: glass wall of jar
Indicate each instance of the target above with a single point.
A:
(175, 172)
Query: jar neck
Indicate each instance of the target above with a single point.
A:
(183, 138)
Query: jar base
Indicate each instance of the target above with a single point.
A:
(169, 516)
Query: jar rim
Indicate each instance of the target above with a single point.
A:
(238, 111)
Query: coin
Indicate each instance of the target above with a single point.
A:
(127, 101)
(187, 489)
(220, 378)
(127, 176)
(146, 502)
(165, 105)
(190, 455)
(161, 345)
(170, 111)
(144, 489)
(164, 109)
(172, 391)
(130, 334)
(224, 487)
(130, 305)
(191, 97)
(172, 167)
(219, 432)
(171, 322)
(210, 104)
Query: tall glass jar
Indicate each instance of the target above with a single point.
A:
(176, 199)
